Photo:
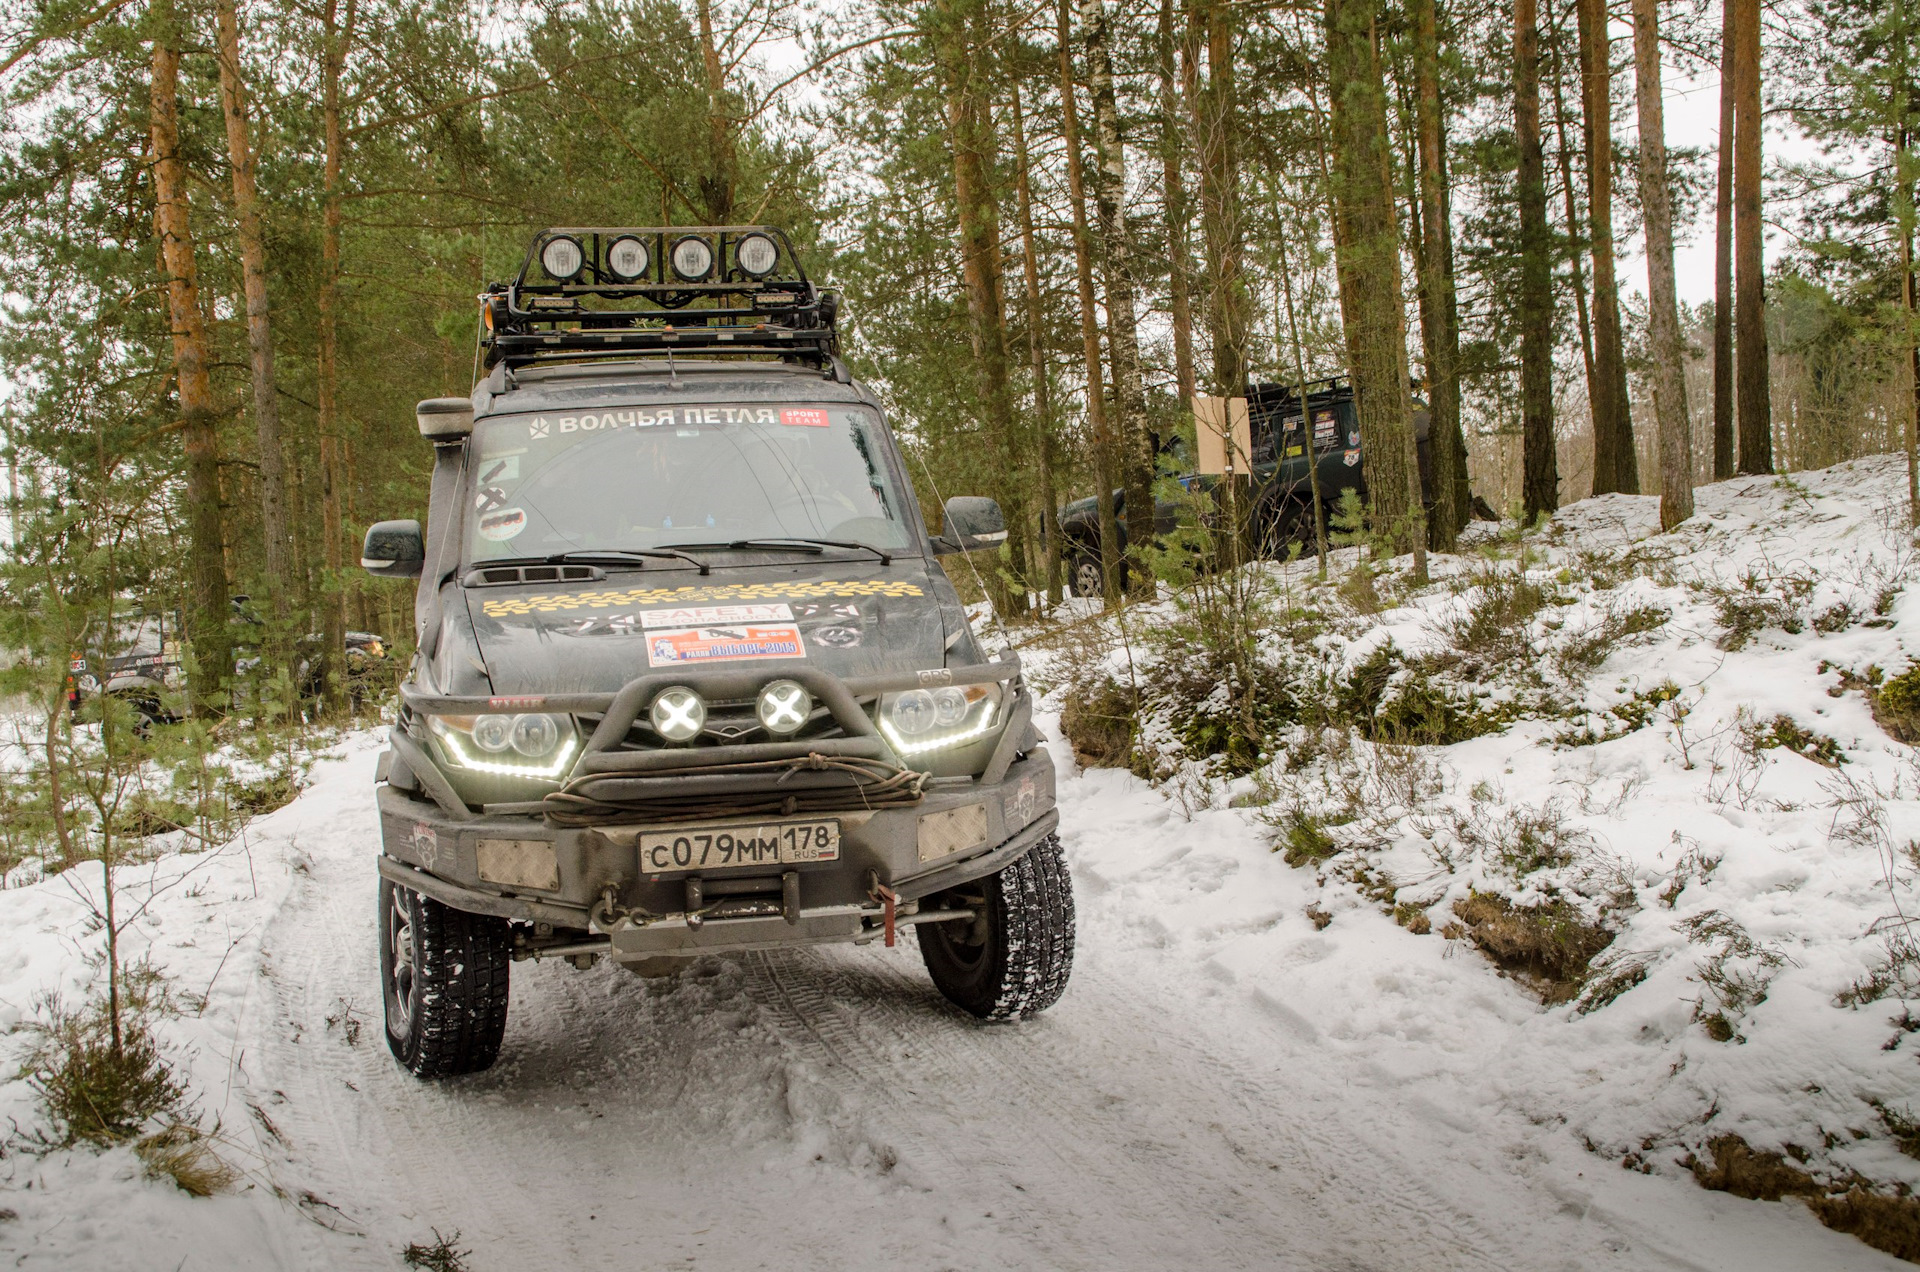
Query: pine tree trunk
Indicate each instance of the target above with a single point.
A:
(333, 627)
(1667, 347)
(1723, 368)
(717, 183)
(979, 223)
(1615, 465)
(1539, 464)
(1037, 350)
(1372, 301)
(1173, 179)
(253, 269)
(1437, 309)
(1751, 390)
(1103, 447)
(206, 553)
(1123, 340)
(1575, 244)
(1217, 129)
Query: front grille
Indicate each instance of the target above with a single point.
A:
(730, 723)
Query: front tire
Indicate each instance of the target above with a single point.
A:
(1012, 962)
(443, 977)
(1087, 581)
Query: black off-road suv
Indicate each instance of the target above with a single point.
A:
(689, 679)
(1282, 483)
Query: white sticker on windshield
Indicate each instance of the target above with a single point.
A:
(710, 614)
(498, 527)
(537, 428)
(504, 468)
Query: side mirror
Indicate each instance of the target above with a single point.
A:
(973, 523)
(394, 550)
(446, 419)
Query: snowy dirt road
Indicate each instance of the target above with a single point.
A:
(827, 1110)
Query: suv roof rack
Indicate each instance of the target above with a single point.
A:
(599, 291)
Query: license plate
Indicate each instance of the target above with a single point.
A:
(781, 843)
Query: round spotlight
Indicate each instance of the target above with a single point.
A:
(913, 711)
(692, 258)
(493, 733)
(562, 258)
(756, 255)
(783, 707)
(535, 735)
(949, 706)
(678, 714)
(628, 258)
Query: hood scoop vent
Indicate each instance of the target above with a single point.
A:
(520, 575)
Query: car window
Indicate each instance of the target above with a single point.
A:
(640, 477)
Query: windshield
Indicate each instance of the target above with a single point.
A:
(643, 477)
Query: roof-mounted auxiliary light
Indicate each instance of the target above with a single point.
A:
(756, 255)
(692, 258)
(562, 258)
(628, 258)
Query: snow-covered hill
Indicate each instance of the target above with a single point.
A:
(1258, 1065)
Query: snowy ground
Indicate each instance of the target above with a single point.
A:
(1226, 1084)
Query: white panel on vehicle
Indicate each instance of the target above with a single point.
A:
(519, 863)
(952, 830)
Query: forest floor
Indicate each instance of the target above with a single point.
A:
(1257, 1064)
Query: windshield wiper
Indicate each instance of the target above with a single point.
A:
(591, 555)
(791, 543)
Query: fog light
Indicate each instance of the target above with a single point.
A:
(784, 706)
(678, 714)
(535, 734)
(493, 733)
(562, 258)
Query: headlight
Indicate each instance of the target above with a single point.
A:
(678, 714)
(921, 720)
(783, 707)
(514, 745)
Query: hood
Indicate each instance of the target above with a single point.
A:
(847, 618)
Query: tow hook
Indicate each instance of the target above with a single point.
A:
(880, 892)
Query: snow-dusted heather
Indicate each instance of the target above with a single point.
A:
(1229, 1082)
(1782, 874)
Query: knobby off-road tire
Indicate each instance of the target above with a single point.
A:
(1014, 960)
(443, 977)
(1086, 578)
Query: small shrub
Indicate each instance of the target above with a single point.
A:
(1101, 724)
(1385, 700)
(1834, 618)
(1413, 918)
(1495, 626)
(1735, 975)
(92, 1090)
(1553, 944)
(1896, 704)
(1582, 654)
(1760, 601)
(1303, 838)
(184, 1154)
(1610, 976)
(444, 1255)
(1521, 839)
(1784, 731)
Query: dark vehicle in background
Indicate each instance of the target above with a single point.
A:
(138, 661)
(1282, 489)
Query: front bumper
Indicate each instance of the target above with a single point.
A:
(570, 881)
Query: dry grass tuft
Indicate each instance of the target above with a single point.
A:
(1883, 1221)
(184, 1154)
(1551, 945)
(444, 1255)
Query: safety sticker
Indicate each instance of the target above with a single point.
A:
(805, 418)
(498, 527)
(723, 644)
(712, 614)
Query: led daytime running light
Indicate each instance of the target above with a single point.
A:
(938, 741)
(548, 772)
